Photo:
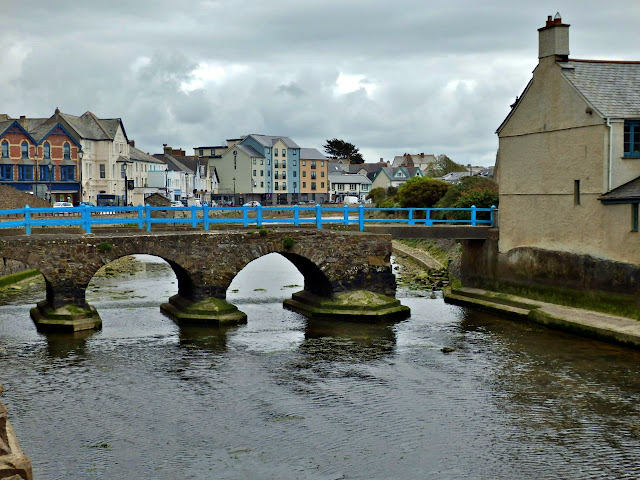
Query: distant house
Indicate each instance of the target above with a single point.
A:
(314, 176)
(346, 185)
(568, 165)
(454, 177)
(420, 160)
(395, 176)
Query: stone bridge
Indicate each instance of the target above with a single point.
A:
(346, 274)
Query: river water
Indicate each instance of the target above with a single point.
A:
(285, 398)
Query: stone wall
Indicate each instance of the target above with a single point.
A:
(11, 198)
(483, 266)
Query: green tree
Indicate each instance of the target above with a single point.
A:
(339, 149)
(421, 192)
(466, 183)
(442, 166)
(377, 195)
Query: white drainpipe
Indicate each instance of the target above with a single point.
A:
(610, 153)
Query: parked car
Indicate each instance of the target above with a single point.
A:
(62, 204)
(252, 203)
(88, 204)
(177, 203)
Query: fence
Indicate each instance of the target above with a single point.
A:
(143, 216)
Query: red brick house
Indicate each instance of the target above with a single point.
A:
(39, 155)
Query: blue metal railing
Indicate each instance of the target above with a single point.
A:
(143, 217)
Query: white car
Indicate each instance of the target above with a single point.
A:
(253, 203)
(62, 204)
(177, 203)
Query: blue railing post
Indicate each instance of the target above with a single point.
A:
(194, 216)
(27, 219)
(473, 215)
(361, 217)
(346, 214)
(492, 218)
(296, 215)
(427, 217)
(147, 216)
(205, 216)
(411, 220)
(259, 216)
(86, 218)
(318, 215)
(140, 216)
(245, 216)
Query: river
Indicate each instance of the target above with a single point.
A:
(284, 398)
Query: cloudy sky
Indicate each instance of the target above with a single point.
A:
(389, 76)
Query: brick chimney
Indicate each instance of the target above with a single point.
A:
(167, 149)
(553, 39)
(132, 143)
(23, 121)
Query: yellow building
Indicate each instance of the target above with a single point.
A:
(314, 176)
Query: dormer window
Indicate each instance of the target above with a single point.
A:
(632, 138)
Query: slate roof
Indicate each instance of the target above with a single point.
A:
(629, 192)
(270, 140)
(346, 178)
(173, 164)
(311, 154)
(612, 87)
(137, 154)
(249, 150)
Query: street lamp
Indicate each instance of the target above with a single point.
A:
(125, 163)
(234, 190)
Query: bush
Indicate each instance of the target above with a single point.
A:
(104, 247)
(288, 243)
(420, 192)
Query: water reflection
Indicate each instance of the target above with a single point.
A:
(213, 339)
(347, 342)
(67, 344)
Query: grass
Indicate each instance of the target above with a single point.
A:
(443, 256)
(17, 277)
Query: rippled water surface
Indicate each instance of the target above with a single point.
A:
(285, 398)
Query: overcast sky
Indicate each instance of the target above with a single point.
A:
(388, 76)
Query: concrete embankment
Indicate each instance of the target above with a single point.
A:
(610, 328)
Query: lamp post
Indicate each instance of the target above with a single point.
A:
(125, 163)
(234, 190)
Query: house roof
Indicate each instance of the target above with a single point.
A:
(311, 154)
(172, 163)
(249, 150)
(627, 193)
(270, 140)
(610, 86)
(139, 155)
(346, 178)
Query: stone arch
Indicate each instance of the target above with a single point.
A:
(315, 281)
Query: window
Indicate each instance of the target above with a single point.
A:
(6, 172)
(284, 164)
(304, 184)
(340, 186)
(295, 185)
(284, 175)
(364, 188)
(123, 170)
(45, 173)
(313, 175)
(25, 172)
(47, 150)
(576, 192)
(322, 174)
(67, 172)
(254, 173)
(313, 164)
(632, 138)
(634, 217)
(322, 163)
(313, 185)
(261, 184)
(275, 186)
(262, 161)
(284, 185)
(67, 151)
(284, 152)
(295, 173)
(352, 186)
(275, 152)
(276, 164)
(5, 149)
(295, 163)
(103, 173)
(255, 161)
(25, 150)
(276, 174)
(262, 173)
(268, 161)
(322, 184)
(304, 163)
(201, 152)
(304, 173)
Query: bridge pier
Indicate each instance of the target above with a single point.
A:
(208, 311)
